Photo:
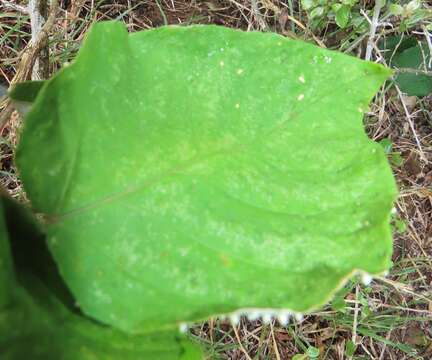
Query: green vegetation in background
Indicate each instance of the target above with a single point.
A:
(412, 60)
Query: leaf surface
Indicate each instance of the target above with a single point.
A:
(185, 172)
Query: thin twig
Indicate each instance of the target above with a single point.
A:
(240, 343)
(33, 48)
(410, 122)
(401, 287)
(304, 28)
(38, 13)
(165, 19)
(373, 27)
(355, 321)
(428, 36)
(13, 6)
(276, 350)
(385, 345)
(413, 71)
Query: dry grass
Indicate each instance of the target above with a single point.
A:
(391, 318)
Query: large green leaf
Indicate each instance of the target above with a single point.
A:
(35, 324)
(185, 172)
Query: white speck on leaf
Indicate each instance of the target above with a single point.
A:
(183, 328)
(239, 71)
(237, 106)
(283, 318)
(328, 59)
(253, 315)
(267, 317)
(302, 79)
(183, 251)
(366, 279)
(234, 318)
(221, 63)
(102, 296)
(298, 316)
(300, 97)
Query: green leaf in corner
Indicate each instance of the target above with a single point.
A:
(35, 323)
(394, 45)
(7, 276)
(32, 331)
(26, 91)
(189, 171)
(24, 94)
(411, 59)
(415, 76)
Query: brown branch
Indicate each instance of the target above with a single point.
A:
(38, 10)
(33, 48)
(28, 58)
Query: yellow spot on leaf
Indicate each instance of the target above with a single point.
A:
(225, 260)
